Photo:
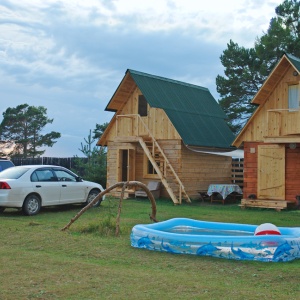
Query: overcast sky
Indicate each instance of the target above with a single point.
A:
(70, 56)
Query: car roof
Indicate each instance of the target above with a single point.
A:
(42, 166)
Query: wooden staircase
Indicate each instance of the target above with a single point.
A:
(163, 168)
(156, 156)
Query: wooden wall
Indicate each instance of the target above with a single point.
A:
(196, 170)
(292, 173)
(263, 123)
(112, 162)
(250, 169)
(157, 121)
(199, 170)
(172, 152)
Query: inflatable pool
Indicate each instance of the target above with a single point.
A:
(224, 240)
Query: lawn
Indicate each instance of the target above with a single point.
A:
(39, 261)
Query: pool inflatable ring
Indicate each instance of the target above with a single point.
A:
(264, 243)
(267, 229)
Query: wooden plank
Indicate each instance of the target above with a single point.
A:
(282, 139)
(260, 203)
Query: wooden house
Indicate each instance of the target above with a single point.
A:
(160, 131)
(271, 140)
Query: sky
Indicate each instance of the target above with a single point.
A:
(70, 55)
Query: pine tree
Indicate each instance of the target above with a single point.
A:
(247, 69)
(23, 125)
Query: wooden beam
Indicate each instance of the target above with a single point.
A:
(282, 139)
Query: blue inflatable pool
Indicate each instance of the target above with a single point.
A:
(224, 240)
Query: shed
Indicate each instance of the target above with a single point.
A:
(271, 140)
(160, 131)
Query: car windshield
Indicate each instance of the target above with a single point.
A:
(13, 173)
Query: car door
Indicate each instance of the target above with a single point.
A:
(71, 190)
(46, 185)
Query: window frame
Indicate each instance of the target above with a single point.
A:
(291, 102)
(142, 106)
(146, 164)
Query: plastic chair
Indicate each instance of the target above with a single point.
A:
(154, 188)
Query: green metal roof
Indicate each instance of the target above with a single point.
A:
(294, 60)
(192, 110)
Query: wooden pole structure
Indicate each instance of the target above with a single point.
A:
(123, 185)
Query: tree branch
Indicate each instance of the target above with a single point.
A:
(118, 184)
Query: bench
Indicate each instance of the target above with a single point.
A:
(278, 205)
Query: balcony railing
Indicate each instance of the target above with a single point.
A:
(131, 125)
(283, 122)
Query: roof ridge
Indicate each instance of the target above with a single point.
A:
(166, 79)
(289, 55)
(294, 61)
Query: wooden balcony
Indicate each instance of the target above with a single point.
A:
(131, 125)
(283, 123)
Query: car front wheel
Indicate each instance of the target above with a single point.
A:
(91, 196)
(31, 205)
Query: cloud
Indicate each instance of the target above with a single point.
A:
(70, 55)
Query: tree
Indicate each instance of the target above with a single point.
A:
(239, 85)
(23, 125)
(93, 168)
(247, 69)
(99, 130)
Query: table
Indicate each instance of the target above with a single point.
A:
(223, 189)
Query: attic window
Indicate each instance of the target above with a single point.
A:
(142, 109)
(294, 96)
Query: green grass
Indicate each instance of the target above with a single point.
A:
(39, 261)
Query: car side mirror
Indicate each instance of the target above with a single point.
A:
(79, 179)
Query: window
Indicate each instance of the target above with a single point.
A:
(43, 175)
(294, 96)
(62, 175)
(149, 171)
(142, 108)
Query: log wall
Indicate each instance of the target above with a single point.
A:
(196, 170)
(199, 170)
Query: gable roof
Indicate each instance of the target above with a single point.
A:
(275, 76)
(192, 109)
(268, 86)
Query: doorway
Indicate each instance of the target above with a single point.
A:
(271, 172)
(126, 165)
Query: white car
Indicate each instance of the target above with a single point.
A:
(31, 187)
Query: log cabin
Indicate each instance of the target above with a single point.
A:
(271, 140)
(160, 131)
